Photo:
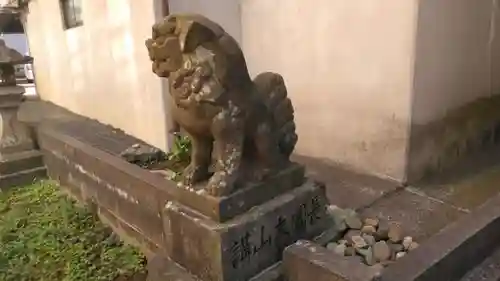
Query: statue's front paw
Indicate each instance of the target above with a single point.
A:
(219, 185)
(194, 174)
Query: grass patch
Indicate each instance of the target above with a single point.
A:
(45, 236)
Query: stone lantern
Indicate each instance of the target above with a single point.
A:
(20, 163)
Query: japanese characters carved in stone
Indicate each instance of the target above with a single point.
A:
(247, 124)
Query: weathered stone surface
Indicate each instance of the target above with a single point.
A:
(14, 136)
(161, 268)
(400, 255)
(338, 215)
(368, 257)
(216, 102)
(382, 231)
(21, 161)
(331, 246)
(364, 251)
(342, 241)
(241, 248)
(222, 209)
(413, 246)
(395, 233)
(350, 234)
(22, 178)
(167, 174)
(377, 267)
(143, 155)
(88, 172)
(352, 220)
(112, 169)
(346, 188)
(488, 270)
(407, 242)
(395, 247)
(454, 250)
(305, 260)
(420, 216)
(370, 240)
(372, 222)
(358, 242)
(381, 251)
(340, 249)
(387, 262)
(368, 229)
(350, 251)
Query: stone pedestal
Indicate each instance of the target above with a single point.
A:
(14, 136)
(246, 232)
(20, 163)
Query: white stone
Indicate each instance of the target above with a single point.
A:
(407, 242)
(400, 255)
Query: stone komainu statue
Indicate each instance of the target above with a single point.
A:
(249, 125)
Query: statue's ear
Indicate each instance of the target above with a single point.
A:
(196, 30)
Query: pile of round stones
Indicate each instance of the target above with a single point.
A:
(376, 241)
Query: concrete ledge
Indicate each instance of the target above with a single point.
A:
(54, 141)
(129, 198)
(21, 161)
(22, 178)
(438, 146)
(305, 260)
(453, 251)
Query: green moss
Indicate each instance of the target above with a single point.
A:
(45, 236)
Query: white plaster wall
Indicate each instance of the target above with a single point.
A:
(358, 71)
(457, 56)
(100, 69)
(225, 12)
(495, 47)
(348, 65)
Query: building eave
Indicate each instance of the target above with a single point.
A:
(10, 21)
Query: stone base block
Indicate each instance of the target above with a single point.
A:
(16, 162)
(15, 136)
(242, 247)
(306, 260)
(224, 208)
(11, 96)
(21, 169)
(161, 268)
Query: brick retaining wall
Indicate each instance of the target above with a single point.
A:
(126, 196)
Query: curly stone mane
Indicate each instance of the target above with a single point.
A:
(219, 106)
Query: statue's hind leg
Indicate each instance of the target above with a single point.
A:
(267, 152)
(228, 132)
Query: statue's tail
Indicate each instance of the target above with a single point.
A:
(272, 87)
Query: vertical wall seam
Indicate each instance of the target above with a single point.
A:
(413, 64)
(240, 16)
(494, 6)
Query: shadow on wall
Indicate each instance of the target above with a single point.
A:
(464, 137)
(460, 145)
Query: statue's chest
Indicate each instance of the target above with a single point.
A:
(195, 121)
